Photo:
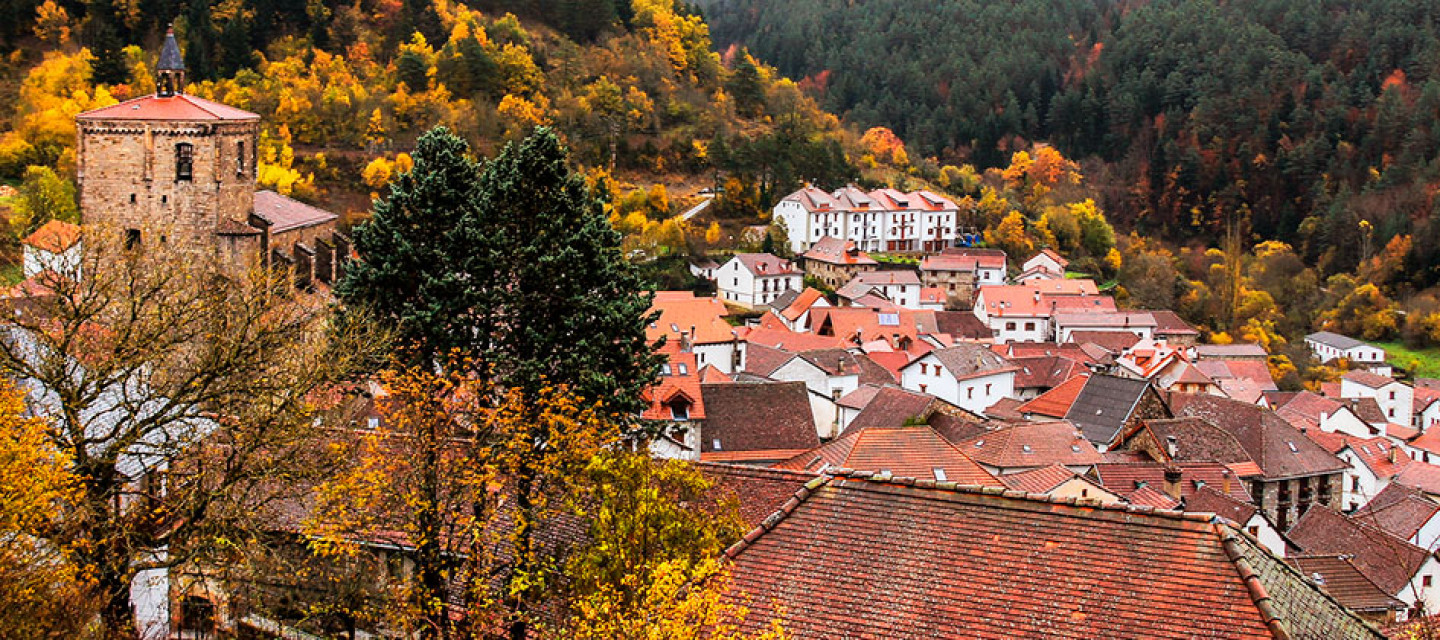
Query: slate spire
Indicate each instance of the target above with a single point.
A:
(170, 71)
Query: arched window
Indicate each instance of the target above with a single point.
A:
(184, 161)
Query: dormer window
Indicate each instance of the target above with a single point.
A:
(184, 161)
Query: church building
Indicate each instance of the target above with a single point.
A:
(176, 168)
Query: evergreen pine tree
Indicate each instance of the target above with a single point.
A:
(518, 270)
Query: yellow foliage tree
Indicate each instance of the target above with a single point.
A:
(43, 128)
(1010, 236)
(712, 234)
(52, 24)
(44, 594)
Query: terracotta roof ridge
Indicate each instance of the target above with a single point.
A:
(954, 488)
(199, 103)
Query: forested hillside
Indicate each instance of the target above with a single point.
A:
(1293, 119)
(344, 89)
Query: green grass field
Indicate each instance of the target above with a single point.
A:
(1400, 356)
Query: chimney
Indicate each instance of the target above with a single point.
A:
(1172, 482)
(1225, 484)
(1172, 447)
(1392, 454)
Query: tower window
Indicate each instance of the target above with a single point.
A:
(240, 158)
(132, 198)
(132, 238)
(184, 160)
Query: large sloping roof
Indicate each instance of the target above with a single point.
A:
(916, 451)
(54, 236)
(1331, 339)
(860, 556)
(757, 417)
(1032, 444)
(1387, 560)
(758, 490)
(287, 214)
(836, 251)
(1339, 576)
(969, 360)
(1056, 402)
(1280, 449)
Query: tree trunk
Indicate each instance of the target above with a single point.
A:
(524, 554)
(428, 555)
(117, 617)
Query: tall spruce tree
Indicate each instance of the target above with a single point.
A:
(514, 266)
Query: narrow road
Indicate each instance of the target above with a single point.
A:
(695, 210)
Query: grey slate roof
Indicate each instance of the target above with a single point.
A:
(1103, 406)
(170, 58)
(1334, 340)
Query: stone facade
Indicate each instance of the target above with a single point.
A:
(132, 178)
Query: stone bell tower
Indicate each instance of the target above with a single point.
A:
(171, 167)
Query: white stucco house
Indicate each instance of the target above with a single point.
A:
(1327, 346)
(969, 376)
(1396, 399)
(756, 279)
(901, 287)
(54, 247)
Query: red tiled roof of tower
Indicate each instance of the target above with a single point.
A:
(1008, 565)
(54, 236)
(1056, 402)
(1342, 579)
(760, 491)
(1032, 444)
(286, 214)
(1040, 480)
(1124, 477)
(911, 451)
(836, 251)
(1387, 560)
(181, 107)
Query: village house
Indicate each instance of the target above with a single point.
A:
(1026, 446)
(958, 271)
(1047, 261)
(1328, 347)
(881, 220)
(793, 307)
(1296, 473)
(1426, 410)
(1105, 406)
(1395, 398)
(946, 540)
(756, 422)
(901, 287)
(1038, 374)
(1022, 313)
(1405, 513)
(1140, 323)
(756, 279)
(704, 268)
(1057, 481)
(697, 324)
(1402, 570)
(835, 262)
(54, 247)
(1170, 327)
(1209, 499)
(968, 376)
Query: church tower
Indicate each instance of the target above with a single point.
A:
(171, 167)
